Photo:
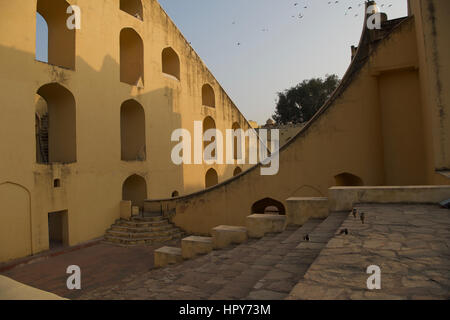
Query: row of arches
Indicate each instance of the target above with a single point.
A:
(212, 178)
(55, 127)
(134, 188)
(210, 124)
(56, 45)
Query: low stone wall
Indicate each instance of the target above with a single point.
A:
(300, 210)
(344, 198)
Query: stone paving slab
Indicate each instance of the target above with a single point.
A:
(410, 243)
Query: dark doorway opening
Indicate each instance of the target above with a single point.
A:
(58, 229)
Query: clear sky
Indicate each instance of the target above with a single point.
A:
(277, 49)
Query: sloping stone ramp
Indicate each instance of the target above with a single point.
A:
(266, 268)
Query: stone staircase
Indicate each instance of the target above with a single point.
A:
(42, 138)
(142, 231)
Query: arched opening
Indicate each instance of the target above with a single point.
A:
(208, 124)
(59, 39)
(131, 58)
(41, 39)
(132, 131)
(208, 96)
(268, 206)
(170, 63)
(175, 194)
(55, 126)
(237, 141)
(132, 7)
(348, 180)
(237, 171)
(211, 178)
(134, 189)
(15, 222)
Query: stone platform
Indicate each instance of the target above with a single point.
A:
(410, 243)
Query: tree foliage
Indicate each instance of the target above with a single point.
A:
(298, 104)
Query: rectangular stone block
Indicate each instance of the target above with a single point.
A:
(167, 255)
(135, 211)
(193, 246)
(300, 210)
(260, 224)
(344, 198)
(223, 236)
(125, 210)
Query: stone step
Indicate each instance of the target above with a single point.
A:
(193, 246)
(136, 224)
(141, 235)
(224, 236)
(260, 224)
(300, 210)
(142, 241)
(167, 256)
(163, 227)
(152, 218)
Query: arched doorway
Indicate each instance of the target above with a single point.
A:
(55, 126)
(170, 63)
(237, 171)
(134, 189)
(131, 57)
(132, 131)
(348, 180)
(211, 178)
(268, 206)
(61, 40)
(208, 96)
(15, 222)
(132, 7)
(237, 141)
(209, 124)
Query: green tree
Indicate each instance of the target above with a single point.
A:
(298, 104)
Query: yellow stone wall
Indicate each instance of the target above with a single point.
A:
(386, 124)
(91, 187)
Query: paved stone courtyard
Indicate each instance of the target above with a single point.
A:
(411, 245)
(101, 265)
